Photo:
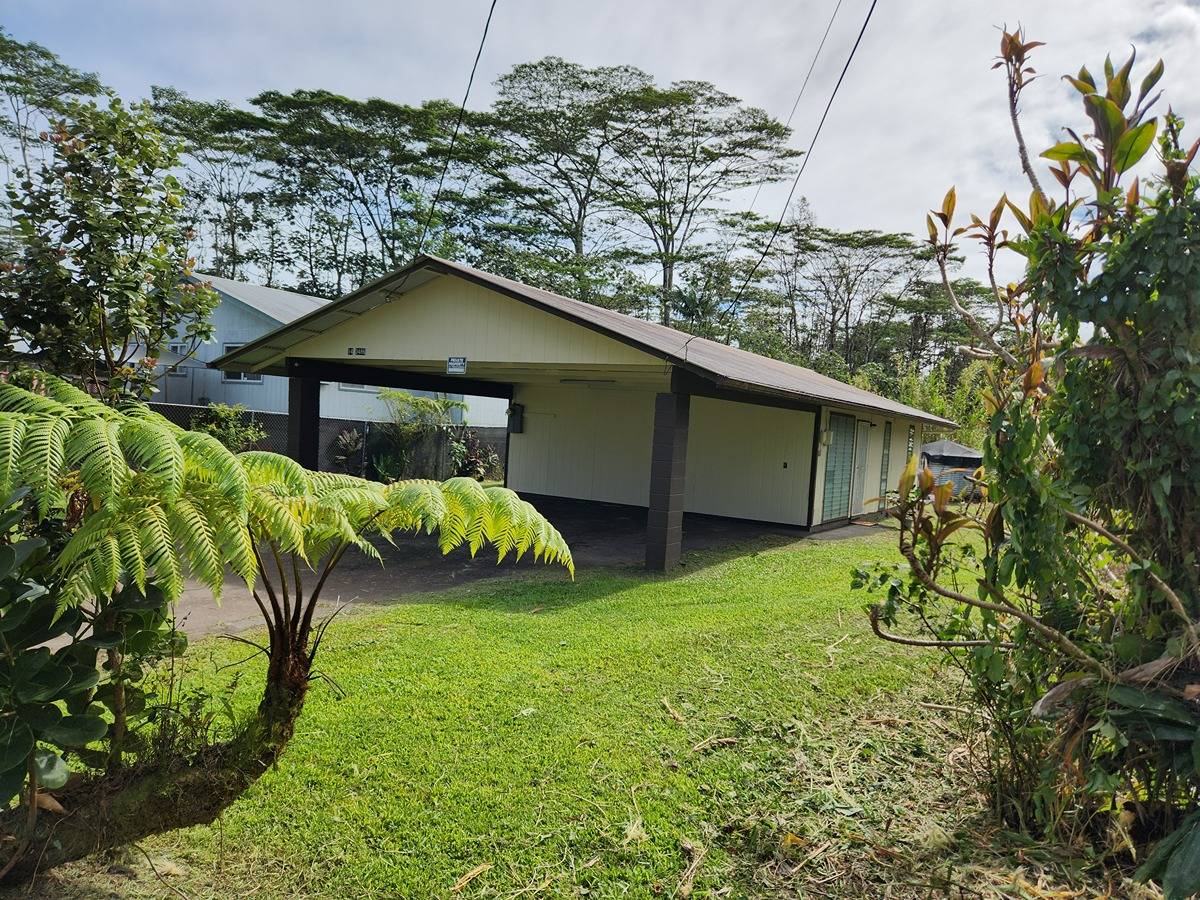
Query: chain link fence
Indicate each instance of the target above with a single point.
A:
(275, 425)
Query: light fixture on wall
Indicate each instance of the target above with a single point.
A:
(587, 381)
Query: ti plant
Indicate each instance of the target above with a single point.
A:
(1070, 598)
(125, 505)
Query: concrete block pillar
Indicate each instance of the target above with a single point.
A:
(304, 420)
(664, 522)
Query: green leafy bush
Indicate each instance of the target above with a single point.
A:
(231, 425)
(1070, 598)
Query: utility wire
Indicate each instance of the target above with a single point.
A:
(462, 111)
(807, 157)
(788, 123)
(807, 75)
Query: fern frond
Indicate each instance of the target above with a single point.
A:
(18, 400)
(207, 456)
(94, 446)
(266, 469)
(43, 454)
(78, 400)
(132, 561)
(275, 518)
(158, 550)
(12, 431)
(194, 535)
(155, 451)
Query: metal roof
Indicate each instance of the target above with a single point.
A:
(950, 448)
(728, 367)
(282, 306)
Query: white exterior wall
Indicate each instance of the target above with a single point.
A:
(235, 322)
(594, 444)
(748, 461)
(585, 443)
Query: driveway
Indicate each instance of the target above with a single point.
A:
(600, 535)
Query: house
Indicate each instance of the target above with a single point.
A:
(951, 461)
(604, 406)
(247, 312)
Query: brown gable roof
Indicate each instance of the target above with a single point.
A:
(729, 367)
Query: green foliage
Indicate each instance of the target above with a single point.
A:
(126, 505)
(36, 681)
(471, 457)
(416, 441)
(1075, 612)
(230, 425)
(74, 294)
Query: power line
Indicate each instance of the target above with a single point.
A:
(807, 75)
(462, 111)
(807, 156)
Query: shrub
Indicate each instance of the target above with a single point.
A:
(1069, 599)
(231, 425)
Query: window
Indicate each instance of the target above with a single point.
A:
(238, 377)
(912, 442)
(177, 371)
(883, 466)
(362, 388)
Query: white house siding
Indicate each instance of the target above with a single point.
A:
(587, 443)
(450, 317)
(897, 458)
(594, 444)
(748, 461)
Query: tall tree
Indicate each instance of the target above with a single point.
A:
(34, 84)
(681, 151)
(228, 182)
(375, 162)
(99, 283)
(553, 129)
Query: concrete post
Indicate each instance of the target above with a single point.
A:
(664, 521)
(304, 420)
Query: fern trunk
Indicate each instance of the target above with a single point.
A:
(124, 806)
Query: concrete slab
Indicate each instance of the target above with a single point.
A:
(600, 535)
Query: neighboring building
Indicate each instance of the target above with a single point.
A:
(605, 407)
(951, 461)
(247, 312)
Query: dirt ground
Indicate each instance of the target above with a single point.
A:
(600, 535)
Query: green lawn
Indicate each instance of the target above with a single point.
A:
(520, 726)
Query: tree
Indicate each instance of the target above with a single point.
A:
(1075, 613)
(100, 282)
(553, 125)
(680, 152)
(35, 85)
(229, 195)
(131, 503)
(374, 165)
(850, 287)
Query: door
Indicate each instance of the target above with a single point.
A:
(839, 468)
(862, 441)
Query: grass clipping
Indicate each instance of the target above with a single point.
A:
(885, 801)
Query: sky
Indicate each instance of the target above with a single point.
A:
(920, 108)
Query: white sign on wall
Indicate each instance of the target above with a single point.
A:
(456, 365)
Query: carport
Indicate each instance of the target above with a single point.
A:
(603, 406)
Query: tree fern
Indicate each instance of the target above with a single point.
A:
(163, 503)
